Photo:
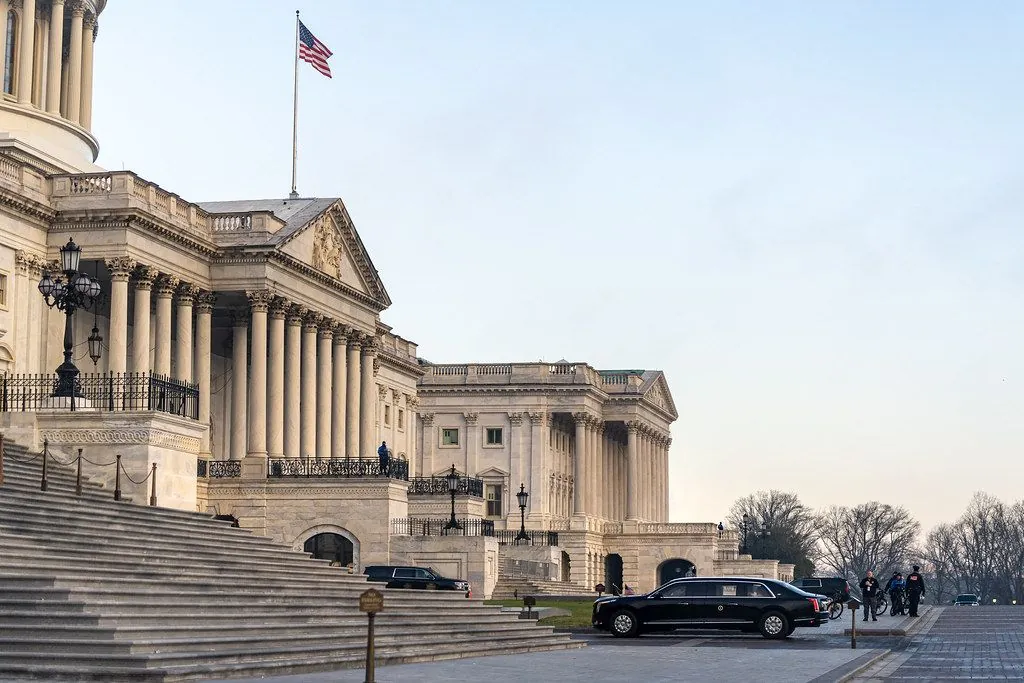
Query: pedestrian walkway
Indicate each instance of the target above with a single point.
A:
(961, 643)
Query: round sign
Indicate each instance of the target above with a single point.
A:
(599, 588)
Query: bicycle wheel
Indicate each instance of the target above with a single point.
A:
(881, 606)
(835, 609)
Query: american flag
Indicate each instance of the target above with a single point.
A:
(313, 51)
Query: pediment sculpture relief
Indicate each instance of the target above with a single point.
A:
(328, 249)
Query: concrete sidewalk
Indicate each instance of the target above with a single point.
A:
(890, 626)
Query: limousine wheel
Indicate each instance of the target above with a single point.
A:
(774, 625)
(624, 624)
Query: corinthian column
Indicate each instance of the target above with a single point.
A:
(632, 470)
(338, 389)
(239, 381)
(183, 347)
(325, 371)
(54, 57)
(165, 287)
(293, 382)
(275, 380)
(26, 38)
(579, 470)
(120, 269)
(88, 37)
(74, 94)
(667, 491)
(203, 359)
(259, 304)
(307, 416)
(144, 278)
(368, 398)
(352, 396)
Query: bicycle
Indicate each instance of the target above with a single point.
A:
(834, 605)
(881, 603)
(899, 603)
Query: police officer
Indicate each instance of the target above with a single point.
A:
(384, 455)
(915, 589)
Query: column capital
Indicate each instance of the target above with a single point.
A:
(278, 308)
(89, 21)
(581, 418)
(427, 419)
(259, 299)
(311, 321)
(239, 317)
(145, 276)
(187, 293)
(411, 401)
(77, 8)
(541, 419)
(56, 2)
(471, 418)
(396, 395)
(326, 329)
(165, 286)
(382, 391)
(295, 314)
(515, 419)
(633, 426)
(204, 302)
(355, 340)
(369, 344)
(120, 267)
(340, 335)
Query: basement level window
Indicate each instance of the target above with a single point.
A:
(494, 436)
(450, 436)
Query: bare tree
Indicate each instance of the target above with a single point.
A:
(778, 527)
(872, 535)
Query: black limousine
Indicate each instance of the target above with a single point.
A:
(737, 603)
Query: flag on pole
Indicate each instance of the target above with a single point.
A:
(313, 51)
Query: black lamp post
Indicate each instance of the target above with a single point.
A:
(453, 484)
(746, 527)
(765, 535)
(522, 497)
(74, 291)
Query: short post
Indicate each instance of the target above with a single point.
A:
(117, 478)
(78, 475)
(152, 490)
(370, 601)
(600, 589)
(853, 604)
(529, 602)
(46, 450)
(2, 457)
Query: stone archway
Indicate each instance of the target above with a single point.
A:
(330, 542)
(566, 568)
(675, 568)
(613, 573)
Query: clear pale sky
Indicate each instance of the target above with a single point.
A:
(807, 214)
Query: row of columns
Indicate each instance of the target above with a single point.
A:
(45, 76)
(649, 498)
(304, 388)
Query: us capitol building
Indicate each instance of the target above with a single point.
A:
(238, 346)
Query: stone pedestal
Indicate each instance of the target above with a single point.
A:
(254, 467)
(142, 439)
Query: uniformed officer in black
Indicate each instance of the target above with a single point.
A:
(915, 589)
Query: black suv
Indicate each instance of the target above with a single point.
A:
(831, 587)
(772, 607)
(414, 577)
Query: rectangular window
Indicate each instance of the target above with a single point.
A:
(494, 436)
(3, 291)
(401, 419)
(493, 493)
(450, 436)
(387, 415)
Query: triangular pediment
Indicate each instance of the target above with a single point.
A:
(659, 395)
(328, 242)
(492, 473)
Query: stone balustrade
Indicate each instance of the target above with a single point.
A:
(512, 373)
(694, 528)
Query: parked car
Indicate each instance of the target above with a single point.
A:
(772, 607)
(825, 585)
(966, 600)
(415, 577)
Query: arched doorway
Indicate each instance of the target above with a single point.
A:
(613, 573)
(675, 569)
(329, 546)
(566, 569)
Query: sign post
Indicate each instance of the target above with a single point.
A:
(370, 601)
(853, 604)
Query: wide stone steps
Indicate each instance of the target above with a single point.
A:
(96, 589)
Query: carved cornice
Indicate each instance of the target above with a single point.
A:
(145, 276)
(205, 302)
(187, 293)
(120, 267)
(407, 366)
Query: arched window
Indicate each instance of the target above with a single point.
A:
(10, 51)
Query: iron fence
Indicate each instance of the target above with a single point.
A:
(508, 537)
(218, 469)
(409, 526)
(105, 391)
(299, 467)
(438, 486)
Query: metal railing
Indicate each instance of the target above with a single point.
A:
(508, 537)
(409, 526)
(105, 391)
(438, 486)
(347, 469)
(218, 469)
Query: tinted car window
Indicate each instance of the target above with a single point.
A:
(810, 583)
(690, 589)
(423, 574)
(757, 590)
(405, 573)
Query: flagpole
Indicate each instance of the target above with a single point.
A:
(295, 113)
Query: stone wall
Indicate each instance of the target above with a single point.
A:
(532, 560)
(474, 558)
(440, 507)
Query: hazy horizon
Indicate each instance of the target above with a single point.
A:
(806, 214)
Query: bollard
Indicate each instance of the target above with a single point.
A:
(117, 478)
(46, 449)
(78, 475)
(152, 495)
(370, 601)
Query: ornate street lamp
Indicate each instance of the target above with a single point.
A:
(74, 291)
(746, 526)
(765, 535)
(522, 497)
(453, 485)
